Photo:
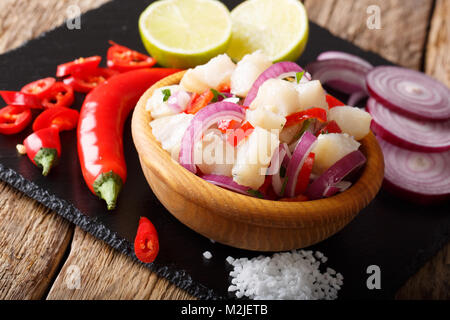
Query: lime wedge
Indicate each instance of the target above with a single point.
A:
(277, 27)
(185, 33)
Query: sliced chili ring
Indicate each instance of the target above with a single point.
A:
(86, 82)
(14, 119)
(60, 117)
(124, 59)
(146, 243)
(20, 99)
(80, 65)
(60, 95)
(39, 88)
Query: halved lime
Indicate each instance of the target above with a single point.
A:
(185, 33)
(279, 28)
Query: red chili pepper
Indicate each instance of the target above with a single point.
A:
(61, 118)
(331, 127)
(198, 102)
(20, 99)
(14, 119)
(44, 148)
(240, 134)
(333, 102)
(304, 174)
(146, 243)
(317, 113)
(60, 95)
(100, 128)
(225, 87)
(39, 88)
(86, 82)
(79, 66)
(124, 59)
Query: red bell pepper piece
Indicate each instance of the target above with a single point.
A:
(59, 95)
(39, 88)
(317, 113)
(331, 127)
(20, 99)
(14, 119)
(198, 102)
(61, 118)
(124, 59)
(43, 147)
(239, 134)
(79, 66)
(304, 174)
(86, 82)
(146, 243)
(225, 125)
(100, 128)
(333, 102)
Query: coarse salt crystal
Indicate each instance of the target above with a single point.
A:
(293, 275)
(207, 255)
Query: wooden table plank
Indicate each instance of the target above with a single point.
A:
(404, 24)
(107, 274)
(32, 243)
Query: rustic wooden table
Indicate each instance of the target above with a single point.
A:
(39, 250)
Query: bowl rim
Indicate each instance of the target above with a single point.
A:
(266, 213)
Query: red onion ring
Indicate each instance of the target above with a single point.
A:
(201, 122)
(355, 98)
(178, 101)
(339, 187)
(274, 71)
(410, 92)
(301, 152)
(418, 135)
(342, 75)
(329, 55)
(417, 176)
(225, 182)
(330, 178)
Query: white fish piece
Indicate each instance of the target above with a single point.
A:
(253, 158)
(331, 148)
(169, 131)
(278, 96)
(311, 95)
(210, 75)
(266, 119)
(214, 155)
(351, 120)
(247, 71)
(159, 108)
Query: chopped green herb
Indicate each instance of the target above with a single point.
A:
(306, 124)
(167, 94)
(299, 76)
(255, 193)
(216, 95)
(282, 171)
(283, 188)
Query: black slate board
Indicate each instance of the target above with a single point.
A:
(396, 236)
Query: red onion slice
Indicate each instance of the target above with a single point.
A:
(225, 182)
(410, 92)
(356, 97)
(418, 135)
(280, 158)
(301, 152)
(201, 122)
(274, 71)
(339, 187)
(330, 178)
(420, 177)
(178, 101)
(342, 75)
(327, 55)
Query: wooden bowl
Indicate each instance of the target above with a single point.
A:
(243, 221)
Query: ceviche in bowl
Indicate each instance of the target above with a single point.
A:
(256, 149)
